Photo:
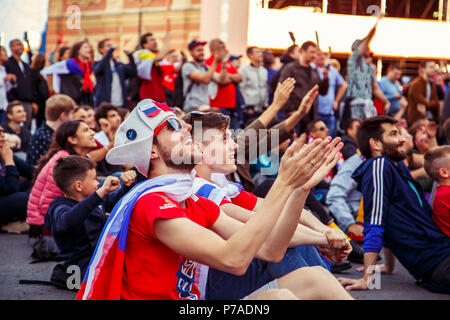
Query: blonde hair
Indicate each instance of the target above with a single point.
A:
(57, 105)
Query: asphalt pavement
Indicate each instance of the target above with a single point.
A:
(15, 266)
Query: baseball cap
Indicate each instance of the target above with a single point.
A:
(234, 57)
(195, 43)
(134, 138)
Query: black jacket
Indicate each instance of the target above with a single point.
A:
(24, 90)
(103, 74)
(10, 176)
(349, 148)
(77, 226)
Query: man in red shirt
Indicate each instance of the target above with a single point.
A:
(222, 90)
(171, 231)
(437, 165)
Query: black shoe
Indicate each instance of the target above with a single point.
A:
(338, 267)
(357, 254)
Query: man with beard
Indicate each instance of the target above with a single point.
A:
(396, 214)
(159, 232)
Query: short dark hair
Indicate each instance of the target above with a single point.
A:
(12, 41)
(311, 125)
(291, 48)
(423, 64)
(102, 43)
(70, 169)
(349, 124)
(306, 45)
(394, 66)
(143, 39)
(103, 109)
(12, 105)
(432, 163)
(250, 50)
(209, 120)
(371, 129)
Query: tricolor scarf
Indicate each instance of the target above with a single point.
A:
(103, 278)
(70, 66)
(86, 68)
(217, 190)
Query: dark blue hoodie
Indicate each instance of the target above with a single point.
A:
(76, 226)
(397, 216)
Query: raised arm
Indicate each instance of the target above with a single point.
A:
(363, 46)
(236, 253)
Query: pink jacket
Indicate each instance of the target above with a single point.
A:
(43, 192)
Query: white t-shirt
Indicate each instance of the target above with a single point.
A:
(116, 88)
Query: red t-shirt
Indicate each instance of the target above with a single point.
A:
(169, 76)
(441, 209)
(152, 270)
(244, 200)
(226, 95)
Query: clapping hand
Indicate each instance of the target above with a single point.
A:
(283, 92)
(308, 100)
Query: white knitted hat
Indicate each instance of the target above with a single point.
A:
(134, 138)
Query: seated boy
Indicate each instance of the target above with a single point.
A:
(77, 219)
(437, 165)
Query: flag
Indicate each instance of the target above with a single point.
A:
(103, 278)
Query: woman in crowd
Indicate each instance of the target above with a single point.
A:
(71, 138)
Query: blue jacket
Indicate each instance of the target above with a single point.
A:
(103, 74)
(76, 226)
(397, 216)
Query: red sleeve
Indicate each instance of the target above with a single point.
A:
(441, 211)
(209, 214)
(99, 145)
(245, 200)
(224, 201)
(231, 69)
(156, 206)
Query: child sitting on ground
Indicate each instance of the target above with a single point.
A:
(437, 165)
(77, 219)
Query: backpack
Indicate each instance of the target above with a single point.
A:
(178, 92)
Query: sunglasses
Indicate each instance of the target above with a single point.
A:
(173, 124)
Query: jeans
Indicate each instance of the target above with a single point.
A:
(225, 286)
(13, 207)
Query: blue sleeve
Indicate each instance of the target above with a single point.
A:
(375, 188)
(25, 169)
(339, 78)
(341, 186)
(373, 238)
(99, 67)
(64, 217)
(111, 199)
(130, 69)
(10, 182)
